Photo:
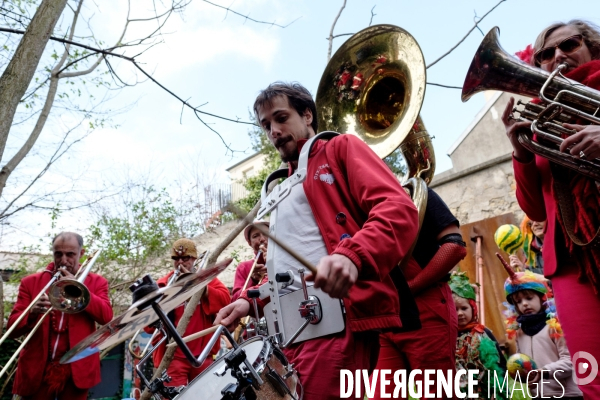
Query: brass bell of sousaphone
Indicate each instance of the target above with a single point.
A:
(373, 88)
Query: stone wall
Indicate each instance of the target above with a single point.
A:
(238, 249)
(480, 194)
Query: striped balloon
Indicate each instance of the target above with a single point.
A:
(508, 238)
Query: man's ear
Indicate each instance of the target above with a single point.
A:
(81, 253)
(308, 116)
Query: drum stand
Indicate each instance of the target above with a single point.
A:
(246, 378)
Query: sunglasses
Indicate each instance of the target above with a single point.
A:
(182, 258)
(567, 46)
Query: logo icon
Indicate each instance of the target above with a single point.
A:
(586, 370)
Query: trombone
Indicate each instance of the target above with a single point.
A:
(244, 321)
(70, 296)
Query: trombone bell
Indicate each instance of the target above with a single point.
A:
(69, 296)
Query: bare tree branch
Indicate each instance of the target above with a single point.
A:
(196, 110)
(18, 74)
(468, 33)
(246, 17)
(331, 31)
(372, 14)
(444, 86)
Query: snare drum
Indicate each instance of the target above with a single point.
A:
(270, 364)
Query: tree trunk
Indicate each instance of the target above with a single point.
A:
(193, 303)
(20, 70)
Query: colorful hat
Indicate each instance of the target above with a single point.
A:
(460, 285)
(508, 238)
(527, 280)
(524, 280)
(184, 247)
(249, 228)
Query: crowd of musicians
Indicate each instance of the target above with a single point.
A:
(353, 220)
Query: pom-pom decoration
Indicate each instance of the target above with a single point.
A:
(520, 363)
(508, 238)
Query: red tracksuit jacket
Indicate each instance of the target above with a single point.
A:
(204, 316)
(365, 215)
(32, 360)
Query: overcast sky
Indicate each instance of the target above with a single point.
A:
(222, 60)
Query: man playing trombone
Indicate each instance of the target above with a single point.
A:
(216, 296)
(39, 374)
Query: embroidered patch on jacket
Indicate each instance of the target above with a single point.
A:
(327, 178)
(323, 173)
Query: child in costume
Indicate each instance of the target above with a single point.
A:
(531, 319)
(476, 346)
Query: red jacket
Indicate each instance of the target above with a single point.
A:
(535, 183)
(381, 224)
(32, 360)
(241, 273)
(204, 316)
(534, 194)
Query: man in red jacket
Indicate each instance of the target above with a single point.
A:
(39, 375)
(216, 296)
(257, 241)
(353, 220)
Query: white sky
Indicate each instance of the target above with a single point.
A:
(223, 60)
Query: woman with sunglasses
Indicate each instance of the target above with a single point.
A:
(574, 269)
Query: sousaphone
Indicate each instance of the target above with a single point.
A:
(373, 88)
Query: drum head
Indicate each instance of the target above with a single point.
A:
(209, 384)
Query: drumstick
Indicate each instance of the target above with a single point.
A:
(197, 335)
(252, 270)
(266, 232)
(287, 249)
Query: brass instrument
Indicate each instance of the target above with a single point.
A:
(373, 88)
(70, 297)
(563, 100)
(244, 321)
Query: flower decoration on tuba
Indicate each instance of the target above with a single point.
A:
(526, 54)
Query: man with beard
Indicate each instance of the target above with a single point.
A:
(351, 218)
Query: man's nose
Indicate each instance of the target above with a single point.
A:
(275, 130)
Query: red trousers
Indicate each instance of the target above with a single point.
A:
(320, 360)
(70, 392)
(578, 309)
(182, 372)
(431, 347)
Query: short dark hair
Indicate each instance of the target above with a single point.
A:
(69, 234)
(298, 97)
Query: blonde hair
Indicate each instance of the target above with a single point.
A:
(589, 31)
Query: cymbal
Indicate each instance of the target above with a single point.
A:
(124, 326)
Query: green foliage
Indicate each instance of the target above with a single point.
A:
(146, 229)
(135, 239)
